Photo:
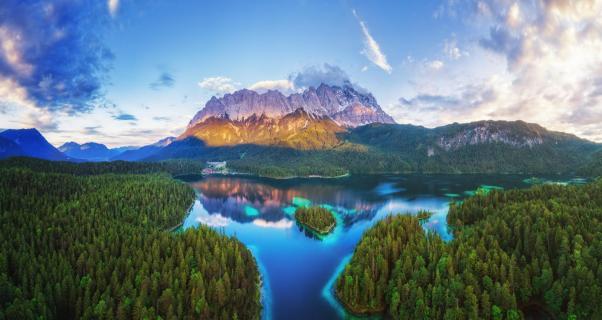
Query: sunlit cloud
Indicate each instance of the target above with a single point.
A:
(265, 85)
(14, 99)
(219, 84)
(372, 49)
(552, 75)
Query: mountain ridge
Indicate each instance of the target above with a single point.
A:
(89, 151)
(486, 146)
(30, 143)
(298, 129)
(144, 151)
(344, 104)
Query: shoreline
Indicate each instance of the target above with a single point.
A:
(318, 232)
(253, 175)
(346, 175)
(177, 226)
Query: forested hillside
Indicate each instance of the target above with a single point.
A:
(534, 252)
(174, 167)
(479, 147)
(594, 167)
(96, 247)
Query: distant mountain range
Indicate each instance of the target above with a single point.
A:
(31, 143)
(91, 151)
(28, 143)
(331, 131)
(145, 151)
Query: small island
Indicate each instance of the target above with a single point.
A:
(316, 219)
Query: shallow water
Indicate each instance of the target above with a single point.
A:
(300, 269)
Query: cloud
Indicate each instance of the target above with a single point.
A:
(165, 80)
(537, 61)
(113, 6)
(464, 103)
(435, 64)
(372, 49)
(280, 85)
(313, 76)
(54, 52)
(125, 117)
(219, 84)
(310, 76)
(92, 131)
(15, 100)
(161, 118)
(214, 220)
(280, 224)
(451, 49)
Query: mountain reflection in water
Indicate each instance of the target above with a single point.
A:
(298, 268)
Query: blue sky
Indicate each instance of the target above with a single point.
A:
(131, 72)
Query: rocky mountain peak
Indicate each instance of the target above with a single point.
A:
(344, 104)
(516, 133)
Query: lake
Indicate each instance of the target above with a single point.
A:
(299, 269)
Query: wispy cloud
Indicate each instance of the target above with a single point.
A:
(451, 49)
(372, 49)
(165, 80)
(219, 84)
(435, 64)
(92, 131)
(125, 117)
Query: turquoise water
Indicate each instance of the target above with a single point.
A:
(298, 268)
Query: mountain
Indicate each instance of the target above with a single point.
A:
(29, 143)
(304, 144)
(298, 129)
(9, 149)
(347, 106)
(90, 151)
(143, 152)
(478, 147)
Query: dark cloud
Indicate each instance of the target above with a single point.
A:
(501, 40)
(469, 97)
(92, 130)
(165, 80)
(430, 100)
(161, 118)
(57, 54)
(315, 75)
(125, 117)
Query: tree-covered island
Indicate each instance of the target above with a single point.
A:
(316, 219)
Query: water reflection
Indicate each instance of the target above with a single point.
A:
(298, 269)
